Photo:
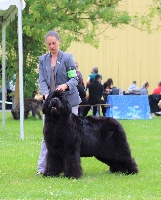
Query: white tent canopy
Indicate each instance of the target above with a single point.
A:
(8, 10)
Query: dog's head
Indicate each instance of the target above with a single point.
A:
(15, 114)
(56, 104)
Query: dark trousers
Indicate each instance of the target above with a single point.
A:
(81, 109)
(87, 108)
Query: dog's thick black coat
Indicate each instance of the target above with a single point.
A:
(29, 105)
(69, 137)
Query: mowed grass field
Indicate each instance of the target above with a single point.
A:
(18, 165)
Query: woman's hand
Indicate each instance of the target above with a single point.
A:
(46, 95)
(62, 87)
(107, 90)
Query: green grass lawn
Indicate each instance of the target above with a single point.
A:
(18, 164)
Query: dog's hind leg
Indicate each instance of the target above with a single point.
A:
(39, 115)
(37, 112)
(127, 166)
(131, 166)
(54, 165)
(114, 166)
(26, 114)
(104, 160)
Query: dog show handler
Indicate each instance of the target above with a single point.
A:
(57, 71)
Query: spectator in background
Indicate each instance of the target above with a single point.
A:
(11, 89)
(81, 90)
(158, 89)
(107, 86)
(91, 77)
(144, 89)
(95, 95)
(81, 82)
(82, 94)
(133, 87)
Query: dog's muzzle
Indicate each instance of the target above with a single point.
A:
(54, 104)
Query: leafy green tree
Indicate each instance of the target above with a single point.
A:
(150, 20)
(75, 20)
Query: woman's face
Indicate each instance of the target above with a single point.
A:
(52, 44)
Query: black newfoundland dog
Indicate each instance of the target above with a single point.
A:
(29, 105)
(69, 137)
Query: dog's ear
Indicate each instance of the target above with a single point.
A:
(42, 103)
(46, 103)
(44, 107)
(67, 108)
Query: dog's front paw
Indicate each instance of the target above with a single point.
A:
(51, 174)
(73, 175)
